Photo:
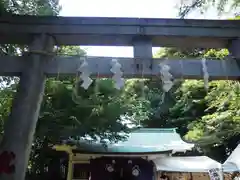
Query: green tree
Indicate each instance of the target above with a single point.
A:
(30, 7)
(218, 130)
(210, 119)
(221, 6)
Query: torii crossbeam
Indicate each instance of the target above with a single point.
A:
(120, 31)
(100, 66)
(42, 33)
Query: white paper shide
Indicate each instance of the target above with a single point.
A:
(205, 73)
(117, 74)
(166, 77)
(85, 74)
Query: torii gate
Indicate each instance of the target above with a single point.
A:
(42, 33)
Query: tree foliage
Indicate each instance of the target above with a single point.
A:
(30, 7)
(208, 118)
(187, 6)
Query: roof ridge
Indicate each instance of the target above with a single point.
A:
(172, 130)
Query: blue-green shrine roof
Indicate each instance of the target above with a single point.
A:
(143, 140)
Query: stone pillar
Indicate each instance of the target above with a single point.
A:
(234, 50)
(20, 127)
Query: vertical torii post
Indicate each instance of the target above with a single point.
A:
(20, 127)
(234, 49)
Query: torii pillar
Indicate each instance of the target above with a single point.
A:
(234, 50)
(20, 127)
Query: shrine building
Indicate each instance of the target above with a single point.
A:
(128, 159)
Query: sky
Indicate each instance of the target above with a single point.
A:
(126, 8)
